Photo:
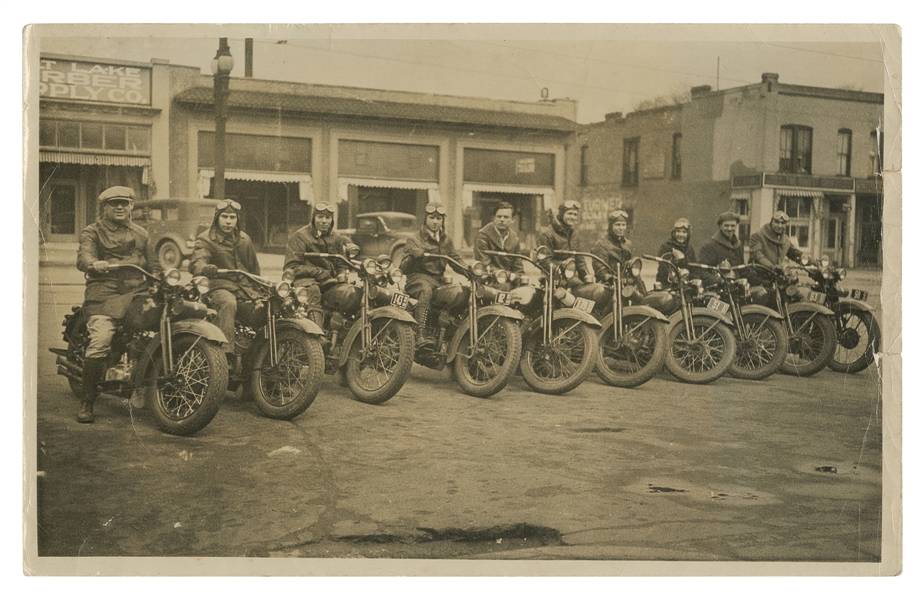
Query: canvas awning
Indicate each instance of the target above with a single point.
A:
(305, 191)
(432, 187)
(547, 193)
(79, 158)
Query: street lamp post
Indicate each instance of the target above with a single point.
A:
(221, 69)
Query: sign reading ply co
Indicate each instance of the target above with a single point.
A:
(76, 80)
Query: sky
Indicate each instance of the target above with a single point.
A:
(606, 68)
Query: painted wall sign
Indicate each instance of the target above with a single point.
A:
(94, 82)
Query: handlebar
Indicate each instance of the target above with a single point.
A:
(255, 278)
(350, 263)
(592, 257)
(512, 255)
(135, 267)
(465, 268)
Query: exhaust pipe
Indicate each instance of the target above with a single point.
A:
(68, 365)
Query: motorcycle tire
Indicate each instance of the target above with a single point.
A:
(812, 344)
(566, 363)
(858, 340)
(637, 356)
(288, 389)
(486, 369)
(762, 348)
(380, 374)
(704, 359)
(191, 399)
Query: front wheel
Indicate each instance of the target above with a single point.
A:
(636, 356)
(562, 364)
(188, 400)
(376, 373)
(811, 344)
(169, 255)
(703, 356)
(762, 347)
(858, 338)
(483, 369)
(288, 389)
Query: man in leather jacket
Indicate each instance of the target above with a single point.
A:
(111, 296)
(225, 246)
(616, 250)
(679, 248)
(770, 246)
(724, 246)
(498, 236)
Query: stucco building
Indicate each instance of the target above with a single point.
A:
(813, 152)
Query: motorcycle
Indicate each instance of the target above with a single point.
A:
(278, 358)
(858, 332)
(179, 362)
(633, 339)
(560, 343)
(475, 331)
(701, 345)
(760, 333)
(369, 335)
(810, 329)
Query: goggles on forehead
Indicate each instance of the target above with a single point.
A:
(619, 214)
(432, 208)
(225, 204)
(571, 205)
(781, 217)
(323, 208)
(682, 224)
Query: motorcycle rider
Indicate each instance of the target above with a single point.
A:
(770, 246)
(724, 246)
(616, 250)
(679, 247)
(318, 275)
(225, 246)
(111, 297)
(498, 236)
(424, 273)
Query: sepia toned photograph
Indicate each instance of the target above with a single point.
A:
(462, 299)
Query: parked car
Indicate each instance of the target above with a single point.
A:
(386, 233)
(173, 225)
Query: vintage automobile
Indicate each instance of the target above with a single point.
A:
(379, 233)
(173, 225)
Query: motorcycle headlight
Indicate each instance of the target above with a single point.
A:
(384, 262)
(301, 294)
(841, 274)
(395, 275)
(635, 267)
(282, 289)
(542, 253)
(202, 284)
(478, 268)
(826, 273)
(351, 250)
(370, 266)
(825, 261)
(172, 276)
(501, 276)
(568, 268)
(514, 277)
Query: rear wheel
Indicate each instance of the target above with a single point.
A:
(636, 356)
(169, 255)
(564, 363)
(484, 369)
(811, 345)
(762, 347)
(376, 373)
(703, 356)
(188, 400)
(858, 339)
(288, 389)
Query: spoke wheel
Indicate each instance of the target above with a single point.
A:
(636, 356)
(188, 400)
(811, 344)
(376, 373)
(565, 362)
(762, 347)
(858, 340)
(703, 357)
(288, 389)
(169, 255)
(485, 368)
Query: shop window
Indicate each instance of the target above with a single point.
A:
(630, 162)
(675, 156)
(91, 135)
(48, 133)
(795, 149)
(742, 206)
(584, 165)
(800, 212)
(115, 137)
(95, 136)
(875, 153)
(68, 134)
(844, 144)
(139, 139)
(63, 210)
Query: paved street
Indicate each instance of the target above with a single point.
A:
(786, 469)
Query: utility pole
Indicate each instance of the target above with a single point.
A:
(248, 57)
(718, 61)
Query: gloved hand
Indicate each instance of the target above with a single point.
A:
(100, 266)
(209, 271)
(678, 254)
(415, 252)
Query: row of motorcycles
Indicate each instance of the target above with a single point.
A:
(486, 330)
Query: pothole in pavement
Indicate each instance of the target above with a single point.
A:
(657, 489)
(600, 430)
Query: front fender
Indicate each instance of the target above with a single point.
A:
(854, 304)
(645, 311)
(485, 311)
(751, 309)
(577, 315)
(194, 327)
(384, 312)
(809, 307)
(700, 311)
(306, 325)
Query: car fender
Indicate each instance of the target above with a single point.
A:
(383, 312)
(181, 243)
(761, 310)
(699, 311)
(851, 303)
(192, 327)
(491, 310)
(809, 307)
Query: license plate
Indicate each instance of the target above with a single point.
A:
(816, 297)
(583, 304)
(399, 300)
(859, 295)
(502, 298)
(718, 306)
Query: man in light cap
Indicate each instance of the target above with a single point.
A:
(317, 275)
(679, 248)
(225, 246)
(111, 296)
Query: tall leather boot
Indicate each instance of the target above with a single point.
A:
(420, 314)
(93, 371)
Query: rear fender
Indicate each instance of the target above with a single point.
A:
(760, 310)
(809, 307)
(485, 311)
(700, 311)
(854, 304)
(384, 312)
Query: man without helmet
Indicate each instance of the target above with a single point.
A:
(499, 236)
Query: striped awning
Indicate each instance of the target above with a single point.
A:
(547, 193)
(273, 177)
(76, 158)
(432, 187)
(799, 193)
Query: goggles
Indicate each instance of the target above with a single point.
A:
(433, 208)
(323, 208)
(225, 204)
(682, 224)
(781, 217)
(571, 205)
(619, 214)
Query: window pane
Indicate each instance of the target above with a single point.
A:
(115, 137)
(173, 213)
(139, 139)
(156, 214)
(48, 133)
(62, 211)
(68, 134)
(91, 135)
